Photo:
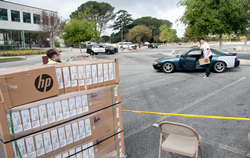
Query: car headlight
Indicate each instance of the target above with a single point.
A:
(155, 63)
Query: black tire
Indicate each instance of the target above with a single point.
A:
(168, 67)
(92, 53)
(108, 52)
(219, 67)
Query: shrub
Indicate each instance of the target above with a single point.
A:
(234, 49)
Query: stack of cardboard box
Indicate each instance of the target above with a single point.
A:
(62, 110)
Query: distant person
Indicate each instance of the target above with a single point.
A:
(206, 53)
(54, 56)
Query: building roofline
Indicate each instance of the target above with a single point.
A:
(27, 6)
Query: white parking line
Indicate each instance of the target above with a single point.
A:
(155, 125)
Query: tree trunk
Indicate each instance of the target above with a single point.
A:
(220, 42)
(80, 47)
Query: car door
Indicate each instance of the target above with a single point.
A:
(187, 62)
(102, 49)
(96, 48)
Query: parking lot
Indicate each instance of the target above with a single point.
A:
(182, 92)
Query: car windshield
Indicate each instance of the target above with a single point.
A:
(130, 43)
(104, 45)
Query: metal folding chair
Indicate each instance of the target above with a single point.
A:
(182, 139)
(248, 146)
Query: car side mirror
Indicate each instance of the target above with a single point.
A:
(182, 56)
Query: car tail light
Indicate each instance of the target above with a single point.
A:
(236, 58)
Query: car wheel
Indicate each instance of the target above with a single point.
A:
(108, 52)
(92, 53)
(168, 67)
(219, 66)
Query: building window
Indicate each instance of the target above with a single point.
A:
(26, 17)
(36, 18)
(3, 14)
(15, 16)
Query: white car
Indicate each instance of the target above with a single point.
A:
(126, 45)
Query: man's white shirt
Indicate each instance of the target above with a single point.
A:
(204, 48)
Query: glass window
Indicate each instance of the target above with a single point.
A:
(3, 14)
(26, 17)
(36, 18)
(5, 42)
(15, 15)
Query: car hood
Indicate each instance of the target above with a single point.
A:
(167, 58)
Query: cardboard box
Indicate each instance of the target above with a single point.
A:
(95, 127)
(80, 75)
(204, 61)
(111, 71)
(112, 147)
(36, 116)
(25, 84)
(100, 72)
(74, 77)
(59, 76)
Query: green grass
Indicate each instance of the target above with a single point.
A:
(9, 59)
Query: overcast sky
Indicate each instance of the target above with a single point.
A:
(160, 9)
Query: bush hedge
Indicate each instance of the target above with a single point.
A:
(21, 52)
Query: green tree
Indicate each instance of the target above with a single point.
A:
(152, 23)
(100, 13)
(213, 17)
(122, 22)
(173, 35)
(105, 39)
(77, 31)
(166, 34)
(143, 31)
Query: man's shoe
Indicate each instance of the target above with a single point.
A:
(206, 76)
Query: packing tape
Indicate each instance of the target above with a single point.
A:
(187, 115)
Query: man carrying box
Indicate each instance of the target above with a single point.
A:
(206, 53)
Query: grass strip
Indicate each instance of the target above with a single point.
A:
(9, 59)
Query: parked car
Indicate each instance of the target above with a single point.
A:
(190, 61)
(100, 48)
(152, 45)
(126, 45)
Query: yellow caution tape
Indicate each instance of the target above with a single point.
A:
(187, 115)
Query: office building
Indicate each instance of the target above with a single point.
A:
(18, 23)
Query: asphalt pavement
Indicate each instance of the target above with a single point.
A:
(182, 92)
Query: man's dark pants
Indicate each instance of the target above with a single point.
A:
(207, 66)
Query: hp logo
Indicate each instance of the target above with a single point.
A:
(44, 83)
